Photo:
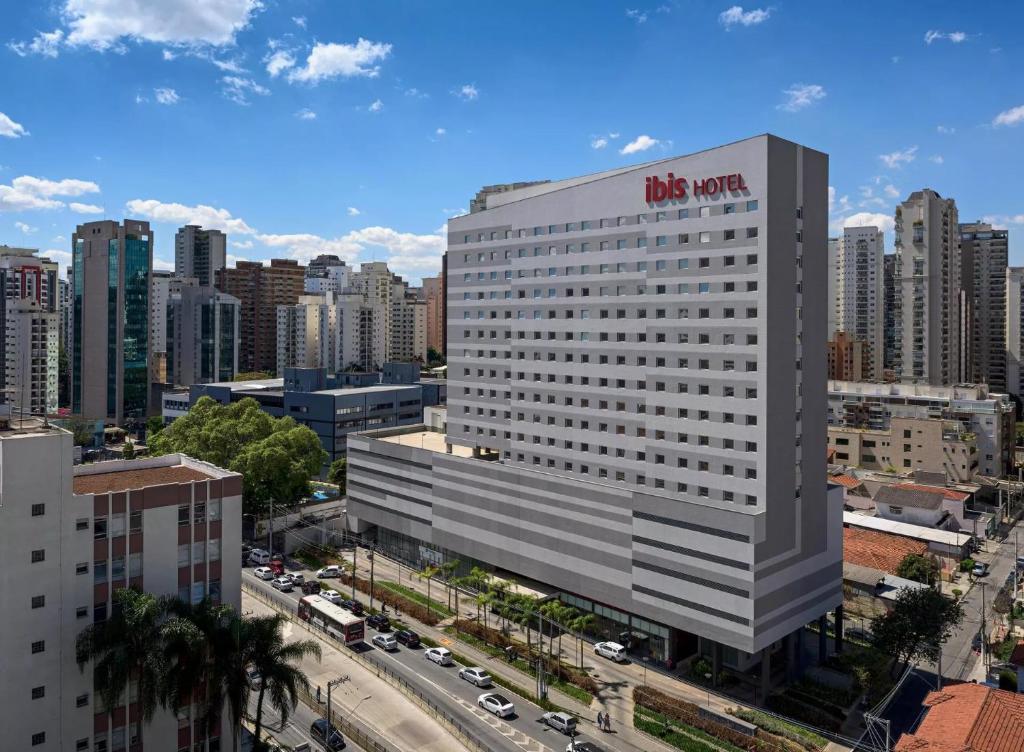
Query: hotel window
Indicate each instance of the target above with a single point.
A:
(552, 229)
(641, 219)
(38, 510)
(570, 227)
(730, 208)
(538, 230)
(661, 240)
(99, 528)
(659, 217)
(684, 238)
(705, 211)
(752, 205)
(641, 242)
(730, 234)
(705, 237)
(620, 245)
(620, 221)
(703, 287)
(38, 555)
(659, 265)
(684, 263)
(135, 521)
(683, 213)
(751, 232)
(586, 224)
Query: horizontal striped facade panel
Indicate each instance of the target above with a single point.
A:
(640, 541)
(697, 575)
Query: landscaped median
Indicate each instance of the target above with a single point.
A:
(692, 728)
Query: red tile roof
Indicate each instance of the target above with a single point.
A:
(844, 480)
(969, 718)
(947, 493)
(870, 548)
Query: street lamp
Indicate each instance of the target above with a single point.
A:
(646, 658)
(331, 685)
(709, 677)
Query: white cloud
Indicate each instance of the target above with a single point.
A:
(1012, 116)
(416, 93)
(207, 216)
(891, 191)
(736, 15)
(105, 24)
(1003, 220)
(27, 229)
(228, 66)
(279, 61)
(353, 211)
(897, 159)
(598, 143)
(883, 222)
(946, 129)
(241, 243)
(27, 192)
(335, 60)
(637, 15)
(62, 258)
(956, 37)
(166, 96)
(799, 96)
(936, 159)
(376, 106)
(467, 92)
(75, 206)
(238, 89)
(640, 143)
(299, 21)
(168, 55)
(305, 114)
(163, 264)
(440, 132)
(10, 129)
(44, 43)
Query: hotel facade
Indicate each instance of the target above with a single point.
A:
(636, 402)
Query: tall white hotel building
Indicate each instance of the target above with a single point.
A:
(637, 402)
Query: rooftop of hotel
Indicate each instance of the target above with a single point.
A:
(429, 440)
(130, 475)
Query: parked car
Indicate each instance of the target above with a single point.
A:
(611, 650)
(331, 596)
(284, 584)
(497, 704)
(561, 722)
(297, 578)
(408, 638)
(980, 569)
(331, 570)
(319, 732)
(379, 622)
(440, 656)
(354, 606)
(264, 573)
(583, 747)
(476, 675)
(259, 557)
(385, 642)
(311, 587)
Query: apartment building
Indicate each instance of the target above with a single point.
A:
(433, 292)
(983, 261)
(889, 315)
(307, 333)
(30, 325)
(1014, 330)
(321, 266)
(660, 489)
(928, 304)
(71, 537)
(990, 417)
(163, 286)
(202, 336)
(110, 272)
(860, 294)
(931, 445)
(260, 290)
(848, 358)
(199, 253)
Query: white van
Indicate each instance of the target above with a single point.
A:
(259, 557)
(611, 650)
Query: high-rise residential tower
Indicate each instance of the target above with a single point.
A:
(1014, 330)
(199, 253)
(202, 336)
(889, 312)
(928, 304)
(260, 290)
(983, 261)
(110, 269)
(859, 293)
(432, 293)
(636, 403)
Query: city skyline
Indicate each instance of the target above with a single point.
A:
(341, 130)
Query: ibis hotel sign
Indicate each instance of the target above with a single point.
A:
(671, 188)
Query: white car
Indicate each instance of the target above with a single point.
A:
(284, 584)
(475, 675)
(440, 656)
(496, 704)
(264, 573)
(296, 578)
(611, 650)
(331, 570)
(331, 596)
(385, 642)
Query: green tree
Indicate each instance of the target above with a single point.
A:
(338, 474)
(579, 625)
(434, 357)
(483, 602)
(128, 452)
(154, 425)
(921, 620)
(81, 431)
(126, 646)
(276, 456)
(252, 376)
(919, 569)
(428, 573)
(274, 659)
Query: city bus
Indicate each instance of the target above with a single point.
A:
(342, 625)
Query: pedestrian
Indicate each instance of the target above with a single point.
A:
(600, 719)
(607, 722)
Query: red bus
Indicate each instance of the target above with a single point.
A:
(342, 625)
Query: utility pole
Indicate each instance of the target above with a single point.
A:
(270, 531)
(330, 725)
(984, 652)
(355, 550)
(371, 557)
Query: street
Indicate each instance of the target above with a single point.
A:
(523, 732)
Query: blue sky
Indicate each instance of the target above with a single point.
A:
(357, 127)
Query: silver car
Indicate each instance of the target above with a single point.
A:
(476, 675)
(284, 584)
(385, 642)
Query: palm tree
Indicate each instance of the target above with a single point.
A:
(271, 657)
(579, 625)
(447, 570)
(428, 573)
(484, 601)
(126, 647)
